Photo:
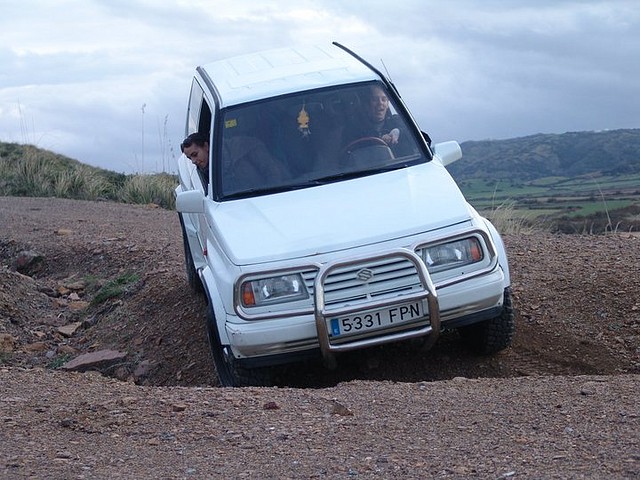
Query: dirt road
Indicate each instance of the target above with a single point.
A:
(560, 403)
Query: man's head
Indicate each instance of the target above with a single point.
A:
(378, 104)
(196, 148)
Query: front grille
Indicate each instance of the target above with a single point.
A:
(387, 278)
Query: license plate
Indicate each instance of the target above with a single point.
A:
(375, 319)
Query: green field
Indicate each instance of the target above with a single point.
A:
(581, 202)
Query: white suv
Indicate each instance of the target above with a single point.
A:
(328, 222)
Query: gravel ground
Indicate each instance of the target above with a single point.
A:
(86, 426)
(560, 403)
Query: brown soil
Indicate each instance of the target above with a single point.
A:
(578, 313)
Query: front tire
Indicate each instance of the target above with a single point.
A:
(493, 335)
(229, 373)
(192, 274)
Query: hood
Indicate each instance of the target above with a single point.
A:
(339, 215)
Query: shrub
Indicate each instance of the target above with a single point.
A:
(508, 220)
(81, 183)
(28, 171)
(114, 288)
(144, 189)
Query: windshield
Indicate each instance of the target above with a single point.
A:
(313, 138)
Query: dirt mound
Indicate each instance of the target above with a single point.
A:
(105, 276)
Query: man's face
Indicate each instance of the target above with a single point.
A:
(198, 155)
(378, 104)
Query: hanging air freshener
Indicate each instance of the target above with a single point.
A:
(303, 122)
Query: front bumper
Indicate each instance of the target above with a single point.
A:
(263, 342)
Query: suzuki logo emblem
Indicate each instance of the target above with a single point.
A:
(364, 275)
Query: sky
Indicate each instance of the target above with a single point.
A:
(106, 82)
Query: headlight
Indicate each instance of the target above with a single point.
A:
(452, 255)
(266, 291)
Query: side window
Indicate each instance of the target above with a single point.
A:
(199, 117)
(204, 124)
(195, 102)
(199, 120)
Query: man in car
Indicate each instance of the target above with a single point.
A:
(377, 121)
(196, 148)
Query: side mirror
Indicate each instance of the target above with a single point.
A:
(190, 201)
(447, 152)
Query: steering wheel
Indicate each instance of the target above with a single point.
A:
(363, 142)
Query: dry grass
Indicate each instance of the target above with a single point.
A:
(509, 220)
(28, 171)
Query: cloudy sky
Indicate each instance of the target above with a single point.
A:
(106, 81)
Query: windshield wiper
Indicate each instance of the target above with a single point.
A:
(254, 192)
(358, 173)
(337, 176)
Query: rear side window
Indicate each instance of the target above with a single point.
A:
(195, 104)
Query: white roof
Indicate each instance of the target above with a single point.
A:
(275, 72)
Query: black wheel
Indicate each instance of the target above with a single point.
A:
(192, 274)
(495, 334)
(229, 374)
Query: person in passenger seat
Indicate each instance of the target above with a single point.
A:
(249, 165)
(196, 148)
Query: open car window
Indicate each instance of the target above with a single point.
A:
(313, 137)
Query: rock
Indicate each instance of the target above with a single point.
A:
(28, 262)
(69, 330)
(7, 342)
(59, 303)
(336, 408)
(143, 370)
(67, 423)
(123, 373)
(592, 388)
(94, 360)
(67, 350)
(89, 322)
(62, 290)
(48, 291)
(35, 347)
(75, 306)
(78, 285)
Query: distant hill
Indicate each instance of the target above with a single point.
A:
(611, 152)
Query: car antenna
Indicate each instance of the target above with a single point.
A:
(386, 70)
(384, 77)
(360, 59)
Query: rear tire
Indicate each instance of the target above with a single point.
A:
(493, 335)
(229, 373)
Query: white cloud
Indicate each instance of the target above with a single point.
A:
(76, 73)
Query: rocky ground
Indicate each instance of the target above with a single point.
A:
(101, 287)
